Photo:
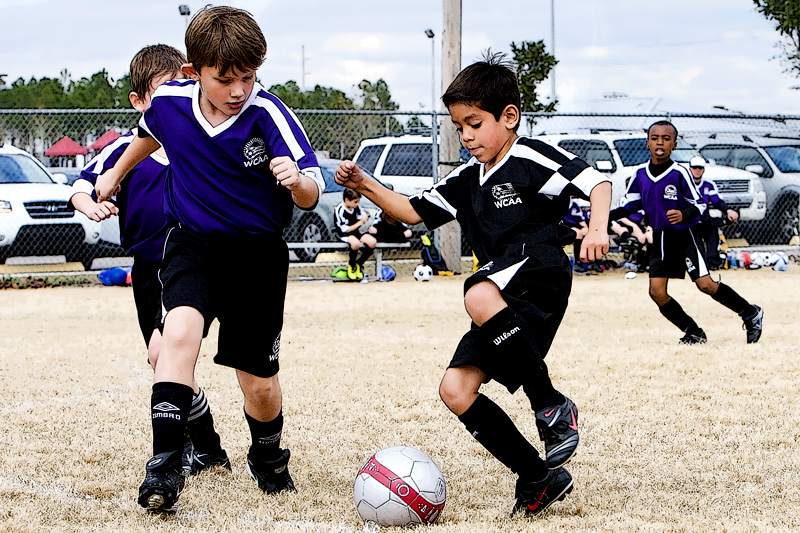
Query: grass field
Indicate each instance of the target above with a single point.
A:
(674, 438)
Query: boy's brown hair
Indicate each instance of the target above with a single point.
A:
(490, 85)
(350, 194)
(225, 37)
(152, 62)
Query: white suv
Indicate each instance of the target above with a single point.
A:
(36, 218)
(777, 160)
(404, 160)
(617, 153)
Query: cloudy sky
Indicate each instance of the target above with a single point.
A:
(702, 52)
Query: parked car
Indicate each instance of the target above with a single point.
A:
(777, 161)
(318, 226)
(617, 153)
(404, 161)
(70, 173)
(36, 218)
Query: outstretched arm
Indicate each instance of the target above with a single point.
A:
(305, 192)
(395, 204)
(108, 183)
(595, 242)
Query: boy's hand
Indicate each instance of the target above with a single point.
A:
(101, 211)
(107, 185)
(594, 246)
(674, 216)
(349, 175)
(733, 216)
(286, 172)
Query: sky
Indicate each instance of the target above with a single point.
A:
(700, 53)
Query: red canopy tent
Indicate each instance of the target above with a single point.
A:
(65, 147)
(104, 139)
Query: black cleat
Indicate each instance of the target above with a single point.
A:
(752, 324)
(187, 456)
(558, 428)
(271, 476)
(533, 497)
(206, 461)
(163, 482)
(697, 336)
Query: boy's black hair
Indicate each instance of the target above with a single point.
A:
(663, 123)
(351, 194)
(490, 85)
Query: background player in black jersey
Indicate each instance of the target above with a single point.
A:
(388, 229)
(672, 204)
(509, 199)
(349, 218)
(143, 230)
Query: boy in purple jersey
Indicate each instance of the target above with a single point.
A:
(708, 227)
(142, 231)
(239, 163)
(673, 206)
(509, 199)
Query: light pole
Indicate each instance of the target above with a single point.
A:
(184, 10)
(434, 126)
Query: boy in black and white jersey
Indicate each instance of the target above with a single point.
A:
(349, 218)
(509, 199)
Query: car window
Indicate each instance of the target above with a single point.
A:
(590, 151)
(632, 152)
(408, 160)
(21, 169)
(330, 183)
(786, 158)
(742, 156)
(721, 155)
(368, 158)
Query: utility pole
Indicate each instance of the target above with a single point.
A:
(450, 147)
(303, 68)
(553, 49)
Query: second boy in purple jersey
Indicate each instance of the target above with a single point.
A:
(240, 162)
(672, 205)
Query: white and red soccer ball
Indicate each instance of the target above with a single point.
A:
(399, 486)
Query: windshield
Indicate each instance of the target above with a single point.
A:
(18, 168)
(786, 158)
(634, 152)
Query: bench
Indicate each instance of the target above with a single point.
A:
(378, 250)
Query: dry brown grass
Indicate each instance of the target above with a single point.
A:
(673, 438)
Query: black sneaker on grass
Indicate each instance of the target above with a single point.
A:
(533, 497)
(187, 456)
(271, 476)
(163, 482)
(558, 428)
(697, 336)
(752, 324)
(206, 461)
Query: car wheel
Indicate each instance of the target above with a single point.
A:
(312, 230)
(786, 220)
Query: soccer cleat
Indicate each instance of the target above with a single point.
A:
(752, 324)
(558, 428)
(359, 274)
(163, 482)
(187, 456)
(271, 476)
(206, 461)
(351, 272)
(697, 336)
(533, 497)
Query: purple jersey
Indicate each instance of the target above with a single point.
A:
(710, 195)
(142, 225)
(575, 214)
(219, 180)
(672, 189)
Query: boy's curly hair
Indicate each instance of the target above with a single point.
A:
(225, 37)
(490, 84)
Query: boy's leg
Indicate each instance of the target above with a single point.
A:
(352, 265)
(672, 311)
(751, 314)
(368, 243)
(207, 450)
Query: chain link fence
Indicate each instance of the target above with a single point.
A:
(754, 160)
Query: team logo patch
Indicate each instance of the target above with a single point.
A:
(505, 195)
(255, 151)
(689, 265)
(276, 348)
(165, 406)
(671, 193)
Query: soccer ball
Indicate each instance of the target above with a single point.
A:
(423, 273)
(399, 486)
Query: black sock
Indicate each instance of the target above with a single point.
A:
(266, 436)
(507, 333)
(353, 255)
(169, 411)
(673, 312)
(492, 427)
(731, 299)
(201, 425)
(366, 254)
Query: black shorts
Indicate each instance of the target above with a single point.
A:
(537, 286)
(676, 252)
(147, 296)
(240, 281)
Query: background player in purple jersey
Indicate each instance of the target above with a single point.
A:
(142, 230)
(672, 205)
(509, 199)
(239, 163)
(708, 227)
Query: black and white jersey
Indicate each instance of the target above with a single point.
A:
(528, 189)
(344, 218)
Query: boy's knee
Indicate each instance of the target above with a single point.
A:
(261, 389)
(482, 301)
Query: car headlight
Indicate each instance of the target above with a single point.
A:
(5, 206)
